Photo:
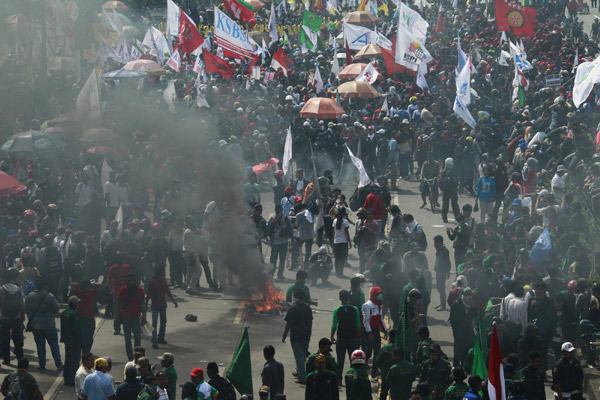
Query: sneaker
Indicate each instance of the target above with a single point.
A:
(162, 341)
(60, 367)
(294, 373)
(423, 205)
(116, 333)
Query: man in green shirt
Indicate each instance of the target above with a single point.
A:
(346, 322)
(322, 383)
(460, 388)
(400, 376)
(358, 385)
(436, 372)
(423, 346)
(325, 350)
(300, 283)
(384, 362)
(166, 361)
(70, 335)
(149, 392)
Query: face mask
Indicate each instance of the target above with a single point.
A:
(380, 297)
(467, 300)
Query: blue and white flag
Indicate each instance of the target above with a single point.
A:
(541, 249)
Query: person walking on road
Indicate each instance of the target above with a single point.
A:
(358, 385)
(299, 327)
(71, 336)
(273, 373)
(442, 269)
(346, 322)
(322, 383)
(449, 187)
(158, 290)
(12, 308)
(373, 324)
(130, 306)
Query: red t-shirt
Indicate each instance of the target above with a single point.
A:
(132, 306)
(86, 302)
(117, 275)
(157, 291)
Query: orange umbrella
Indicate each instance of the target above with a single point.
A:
(257, 4)
(321, 107)
(117, 5)
(148, 66)
(361, 18)
(357, 89)
(352, 71)
(369, 51)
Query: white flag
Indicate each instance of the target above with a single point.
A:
(255, 72)
(175, 61)
(105, 172)
(463, 84)
(157, 44)
(576, 60)
(170, 96)
(503, 38)
(335, 65)
(463, 112)
(385, 107)
(273, 24)
(504, 57)
(413, 22)
(318, 81)
(119, 218)
(197, 64)
(588, 74)
(287, 151)
(172, 18)
(421, 81)
(358, 37)
(409, 51)
(363, 177)
(369, 74)
(88, 100)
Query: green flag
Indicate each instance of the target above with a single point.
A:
(479, 349)
(405, 332)
(240, 370)
(521, 96)
(311, 25)
(246, 5)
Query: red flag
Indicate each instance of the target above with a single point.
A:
(348, 55)
(515, 17)
(496, 388)
(390, 62)
(265, 166)
(240, 12)
(216, 65)
(282, 58)
(439, 27)
(189, 37)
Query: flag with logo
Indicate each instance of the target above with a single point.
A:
(363, 177)
(175, 60)
(172, 18)
(358, 37)
(156, 42)
(463, 112)
(189, 37)
(463, 84)
(409, 51)
(231, 37)
(216, 65)
(413, 22)
(541, 249)
(588, 74)
(369, 74)
(518, 19)
(311, 25)
(273, 24)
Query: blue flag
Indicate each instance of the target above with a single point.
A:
(541, 249)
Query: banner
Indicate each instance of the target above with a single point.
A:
(216, 65)
(409, 51)
(358, 37)
(369, 74)
(413, 22)
(363, 177)
(172, 18)
(230, 36)
(588, 74)
(518, 19)
(265, 166)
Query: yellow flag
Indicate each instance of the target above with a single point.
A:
(384, 8)
(362, 5)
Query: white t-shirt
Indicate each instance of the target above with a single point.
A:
(340, 234)
(112, 194)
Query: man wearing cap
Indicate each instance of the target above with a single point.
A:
(166, 362)
(205, 391)
(71, 336)
(144, 368)
(567, 375)
(558, 182)
(264, 393)
(98, 386)
(436, 372)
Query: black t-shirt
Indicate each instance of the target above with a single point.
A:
(225, 388)
(567, 374)
(299, 316)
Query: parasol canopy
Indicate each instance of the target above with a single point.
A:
(357, 89)
(148, 66)
(115, 5)
(33, 142)
(321, 107)
(123, 74)
(352, 71)
(10, 186)
(369, 51)
(361, 18)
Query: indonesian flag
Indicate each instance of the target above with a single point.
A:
(496, 389)
(189, 37)
(216, 65)
(439, 26)
(281, 61)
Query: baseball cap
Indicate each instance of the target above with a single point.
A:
(567, 346)
(166, 357)
(505, 281)
(103, 362)
(197, 372)
(264, 389)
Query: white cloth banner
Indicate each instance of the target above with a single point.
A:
(155, 41)
(369, 74)
(463, 112)
(88, 100)
(172, 18)
(421, 81)
(105, 172)
(170, 96)
(413, 22)
(363, 177)
(409, 51)
(230, 36)
(287, 151)
(358, 37)
(273, 24)
(463, 84)
(588, 74)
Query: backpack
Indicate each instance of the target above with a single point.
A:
(10, 303)
(15, 392)
(447, 183)
(228, 391)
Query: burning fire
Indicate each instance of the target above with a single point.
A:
(266, 298)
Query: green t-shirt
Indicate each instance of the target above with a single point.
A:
(335, 320)
(290, 291)
(437, 374)
(312, 367)
(384, 359)
(358, 385)
(172, 385)
(400, 378)
(457, 391)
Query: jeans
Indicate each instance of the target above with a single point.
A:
(162, 312)
(72, 357)
(374, 346)
(300, 349)
(440, 283)
(176, 267)
(132, 325)
(278, 251)
(50, 335)
(343, 346)
(88, 328)
(447, 199)
(340, 252)
(296, 250)
(12, 328)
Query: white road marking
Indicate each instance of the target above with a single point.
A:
(238, 315)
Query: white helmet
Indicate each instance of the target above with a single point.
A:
(358, 357)
(449, 162)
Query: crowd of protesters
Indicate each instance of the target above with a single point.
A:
(523, 248)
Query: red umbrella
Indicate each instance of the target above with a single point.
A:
(102, 151)
(10, 186)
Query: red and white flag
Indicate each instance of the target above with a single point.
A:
(189, 37)
(175, 60)
(496, 388)
(281, 61)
